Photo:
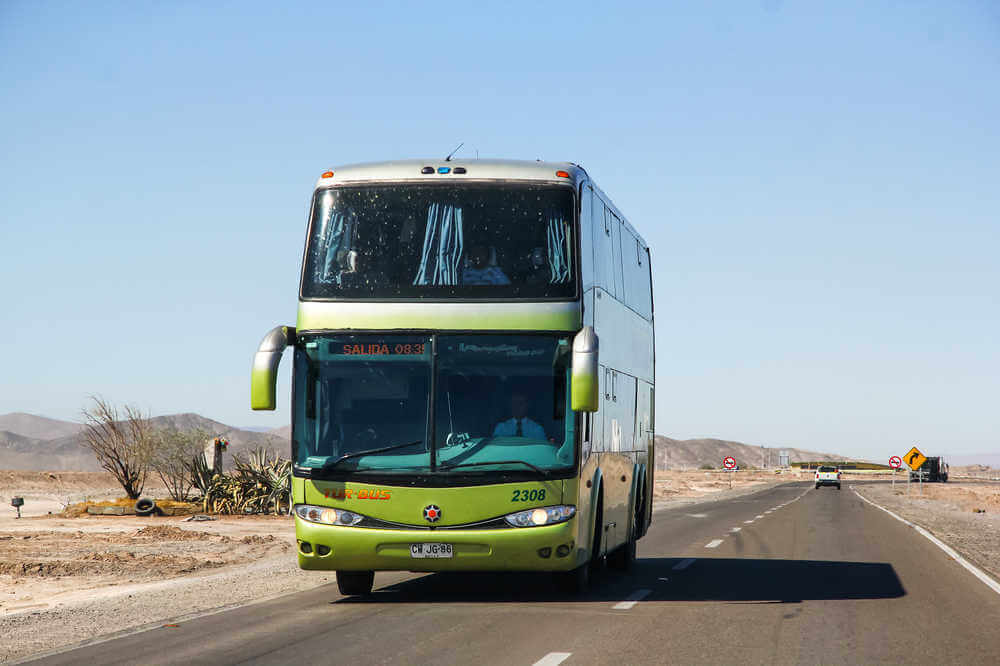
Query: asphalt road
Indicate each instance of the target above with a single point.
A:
(790, 575)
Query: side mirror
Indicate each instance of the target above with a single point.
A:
(265, 366)
(584, 388)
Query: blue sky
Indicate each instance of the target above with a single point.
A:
(819, 183)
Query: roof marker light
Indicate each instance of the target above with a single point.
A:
(327, 174)
(562, 174)
(427, 169)
(444, 169)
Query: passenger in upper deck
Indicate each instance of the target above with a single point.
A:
(481, 270)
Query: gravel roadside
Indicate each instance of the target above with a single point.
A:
(129, 608)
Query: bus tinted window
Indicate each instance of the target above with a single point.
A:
(441, 241)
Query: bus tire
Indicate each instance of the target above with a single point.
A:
(624, 556)
(575, 582)
(355, 583)
(596, 559)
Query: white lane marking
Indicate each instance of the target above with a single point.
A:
(684, 564)
(735, 529)
(747, 522)
(696, 515)
(553, 659)
(975, 571)
(714, 543)
(664, 579)
(631, 600)
(757, 517)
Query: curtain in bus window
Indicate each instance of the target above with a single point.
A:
(440, 260)
(558, 251)
(333, 256)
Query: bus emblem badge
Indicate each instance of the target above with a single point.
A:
(432, 513)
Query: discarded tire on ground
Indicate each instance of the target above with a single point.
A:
(145, 507)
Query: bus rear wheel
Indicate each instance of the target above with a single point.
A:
(624, 557)
(355, 583)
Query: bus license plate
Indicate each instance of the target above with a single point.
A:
(431, 550)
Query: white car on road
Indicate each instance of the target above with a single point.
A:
(828, 476)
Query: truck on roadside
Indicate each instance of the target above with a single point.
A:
(933, 469)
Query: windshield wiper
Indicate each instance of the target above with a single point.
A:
(538, 469)
(370, 452)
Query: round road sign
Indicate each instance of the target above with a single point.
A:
(729, 462)
(895, 462)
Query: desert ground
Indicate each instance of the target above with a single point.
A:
(66, 580)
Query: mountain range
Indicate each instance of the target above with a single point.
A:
(693, 453)
(30, 442)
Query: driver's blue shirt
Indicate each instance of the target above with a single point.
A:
(529, 429)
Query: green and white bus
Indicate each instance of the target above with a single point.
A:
(473, 373)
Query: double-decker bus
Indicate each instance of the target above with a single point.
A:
(473, 373)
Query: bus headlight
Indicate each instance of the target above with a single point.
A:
(326, 515)
(546, 515)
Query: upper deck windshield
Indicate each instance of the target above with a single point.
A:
(442, 241)
(364, 405)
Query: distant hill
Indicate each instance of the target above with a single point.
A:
(37, 427)
(29, 442)
(693, 453)
(284, 432)
(68, 452)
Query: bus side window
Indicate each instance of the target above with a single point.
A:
(602, 246)
(637, 289)
(587, 237)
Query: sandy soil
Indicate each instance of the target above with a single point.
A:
(964, 514)
(66, 580)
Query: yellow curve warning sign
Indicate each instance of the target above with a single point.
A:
(914, 458)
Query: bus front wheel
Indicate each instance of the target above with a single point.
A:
(576, 581)
(355, 583)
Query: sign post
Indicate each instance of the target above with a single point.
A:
(895, 463)
(729, 463)
(914, 459)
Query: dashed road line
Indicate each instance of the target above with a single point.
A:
(758, 517)
(553, 659)
(631, 600)
(747, 522)
(714, 543)
(684, 564)
(735, 529)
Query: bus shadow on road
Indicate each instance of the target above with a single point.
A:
(759, 580)
(726, 580)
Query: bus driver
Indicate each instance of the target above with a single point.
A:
(519, 425)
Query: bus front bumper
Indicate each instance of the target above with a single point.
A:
(548, 548)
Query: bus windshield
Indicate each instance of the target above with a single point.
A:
(363, 405)
(467, 241)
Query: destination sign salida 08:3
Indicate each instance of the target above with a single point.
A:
(381, 349)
